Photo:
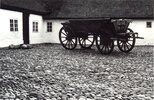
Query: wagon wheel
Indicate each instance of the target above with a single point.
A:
(127, 44)
(67, 38)
(104, 44)
(87, 41)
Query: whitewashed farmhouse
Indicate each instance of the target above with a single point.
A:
(39, 21)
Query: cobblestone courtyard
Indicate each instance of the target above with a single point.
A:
(49, 72)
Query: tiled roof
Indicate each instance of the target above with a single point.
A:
(32, 5)
(100, 8)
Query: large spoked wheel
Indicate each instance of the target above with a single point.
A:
(87, 40)
(104, 44)
(128, 43)
(67, 38)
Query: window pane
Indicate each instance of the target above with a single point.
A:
(11, 25)
(49, 26)
(15, 21)
(149, 24)
(11, 21)
(35, 26)
(16, 25)
(36, 23)
(16, 29)
(11, 29)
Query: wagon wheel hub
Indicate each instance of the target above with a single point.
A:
(69, 38)
(86, 40)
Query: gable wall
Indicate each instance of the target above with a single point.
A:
(35, 37)
(53, 37)
(7, 37)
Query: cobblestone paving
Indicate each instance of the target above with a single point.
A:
(49, 72)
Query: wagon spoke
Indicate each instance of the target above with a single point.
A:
(84, 43)
(66, 43)
(127, 46)
(81, 39)
(64, 33)
(109, 48)
(69, 44)
(64, 40)
(105, 49)
(122, 45)
(120, 42)
(89, 40)
(72, 43)
(102, 47)
(63, 37)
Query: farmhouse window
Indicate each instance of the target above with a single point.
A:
(35, 26)
(149, 24)
(49, 26)
(13, 25)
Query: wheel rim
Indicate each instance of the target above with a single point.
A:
(87, 41)
(104, 44)
(127, 44)
(67, 38)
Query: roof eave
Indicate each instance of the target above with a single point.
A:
(69, 18)
(7, 7)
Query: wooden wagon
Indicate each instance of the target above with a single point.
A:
(103, 31)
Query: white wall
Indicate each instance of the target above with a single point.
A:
(148, 33)
(7, 37)
(53, 37)
(36, 37)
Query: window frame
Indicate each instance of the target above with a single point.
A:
(35, 26)
(49, 26)
(148, 24)
(14, 25)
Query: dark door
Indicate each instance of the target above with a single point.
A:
(26, 28)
